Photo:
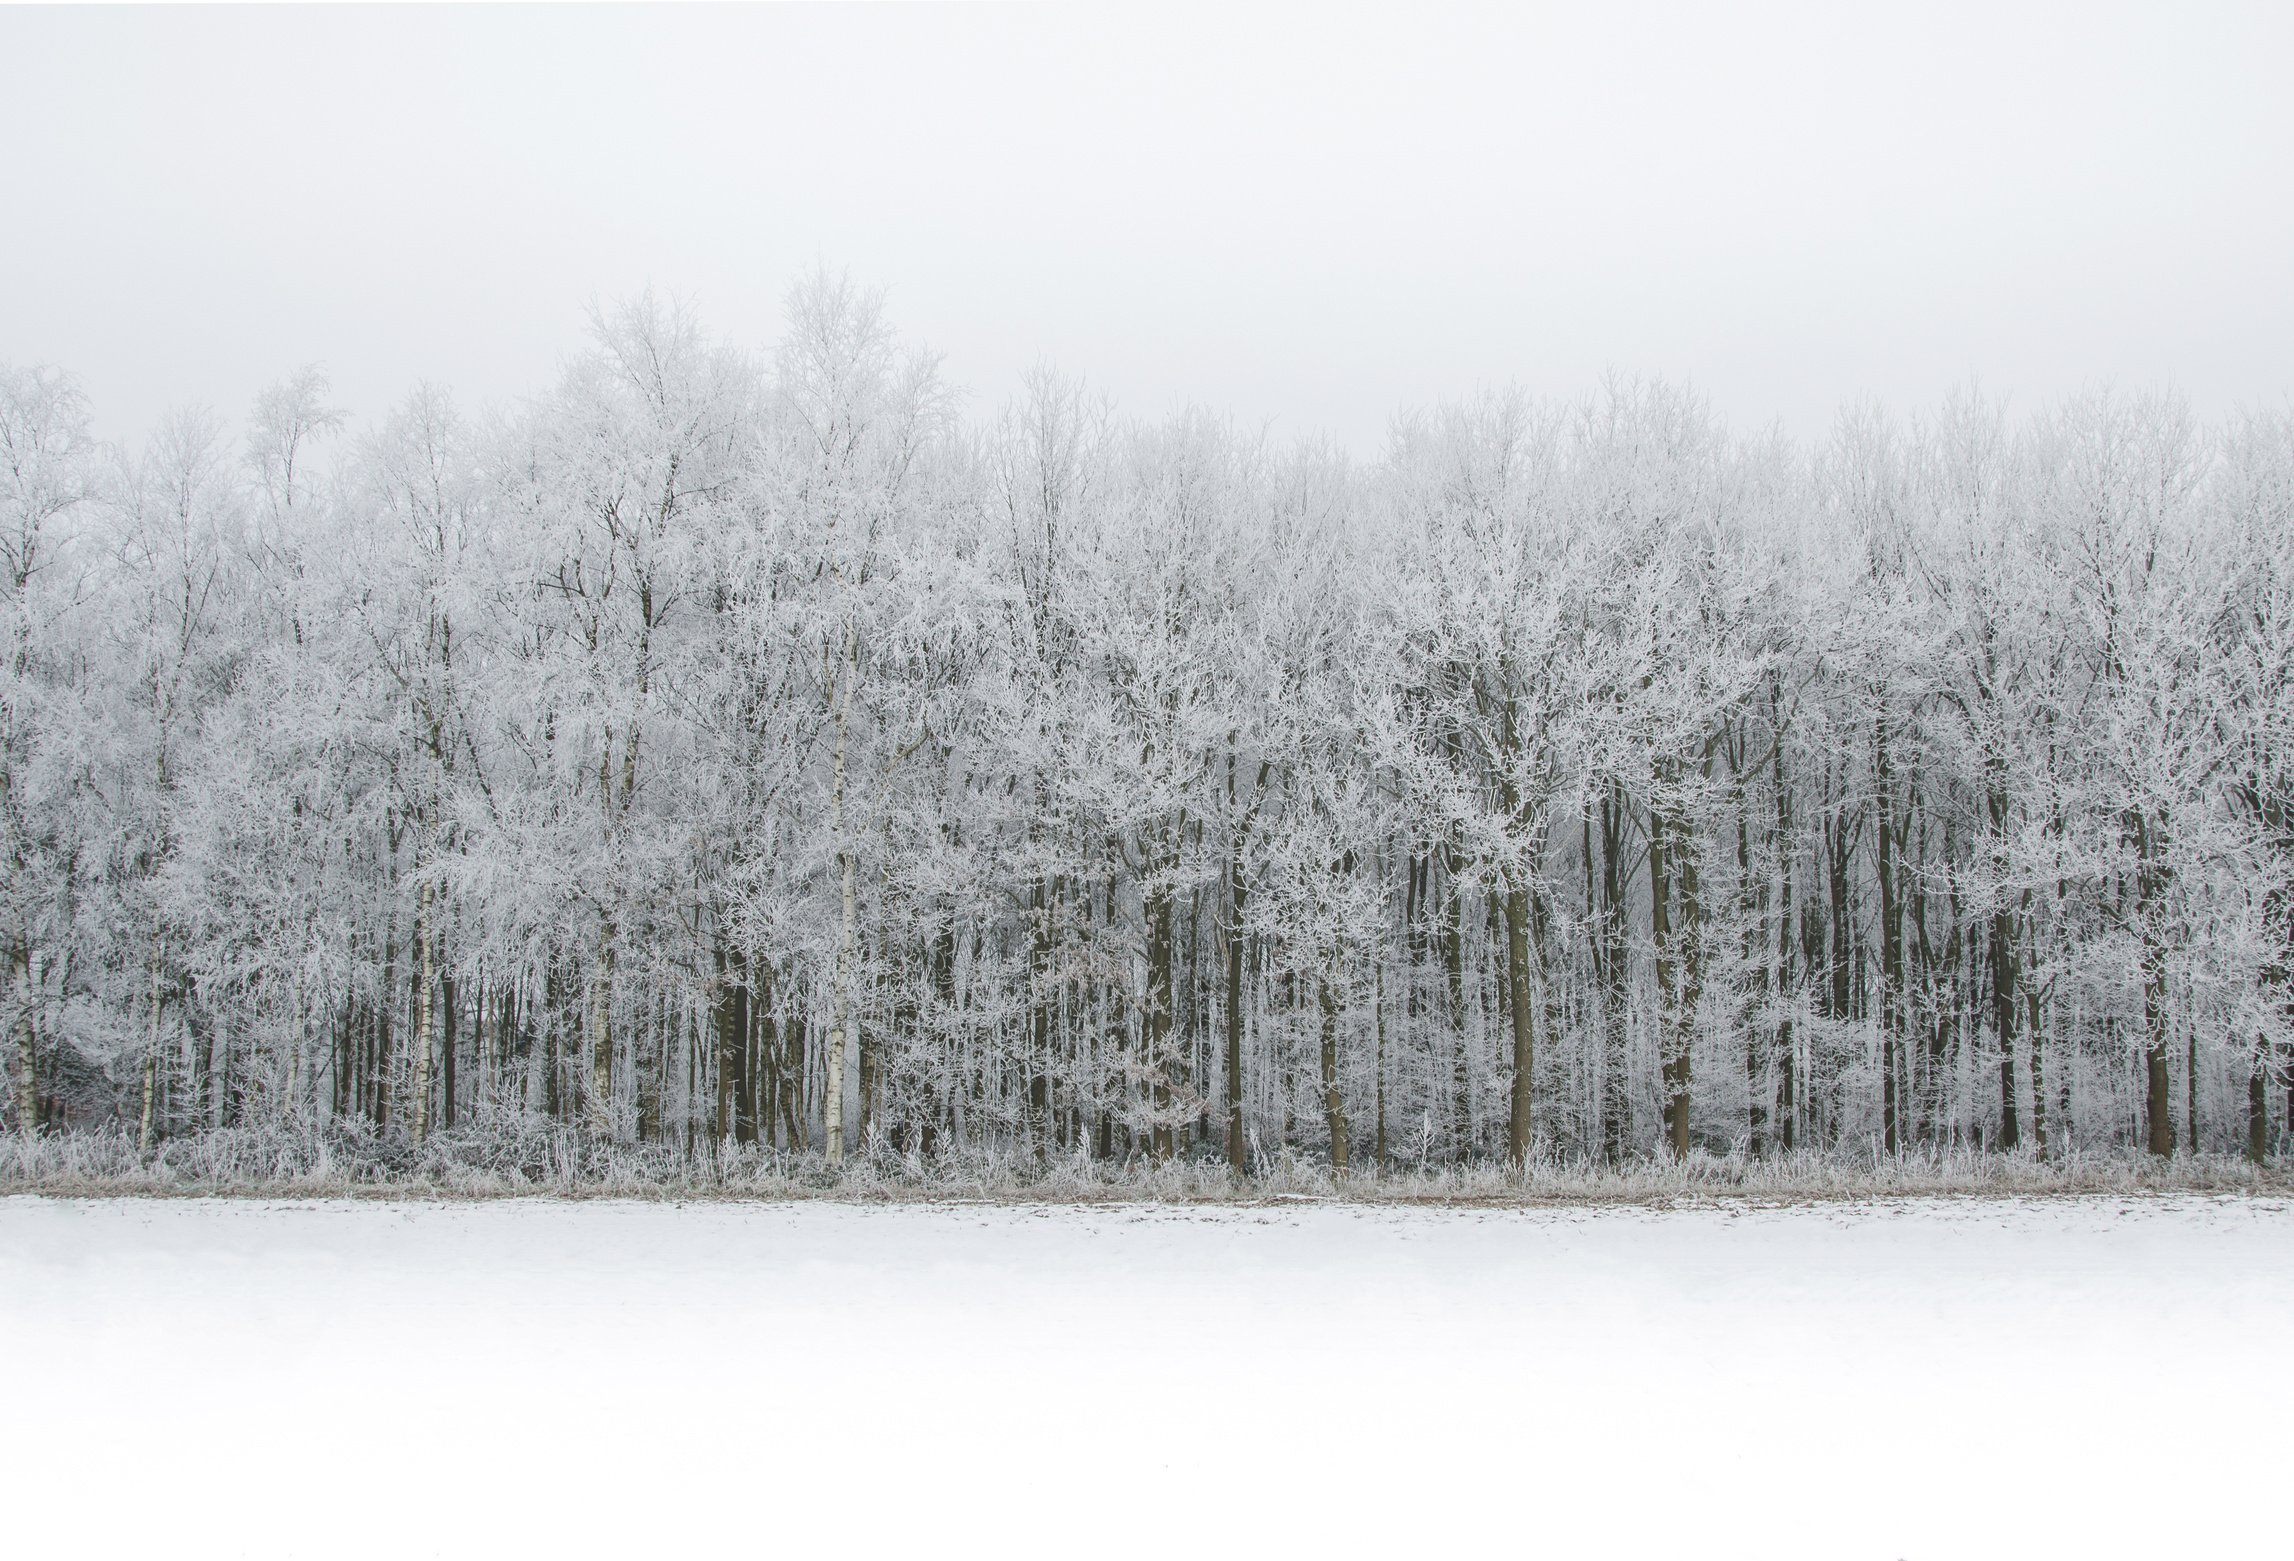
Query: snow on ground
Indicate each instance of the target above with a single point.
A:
(1982, 1378)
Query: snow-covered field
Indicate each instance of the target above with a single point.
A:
(1947, 1379)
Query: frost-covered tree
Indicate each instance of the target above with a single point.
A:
(730, 754)
(46, 480)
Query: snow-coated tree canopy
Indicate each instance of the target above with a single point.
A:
(730, 748)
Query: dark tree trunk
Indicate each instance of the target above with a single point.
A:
(1751, 909)
(447, 1039)
(2258, 1103)
(1333, 1095)
(1159, 1015)
(1378, 1139)
(2005, 1007)
(2158, 1095)
(1238, 1152)
(379, 1093)
(944, 1011)
(1891, 941)
(732, 1044)
(556, 1097)
(1041, 997)
(1787, 1105)
(762, 1060)
(1517, 958)
(2150, 875)
(346, 1058)
(796, 1057)
(1672, 1036)
(1605, 896)
(2190, 1085)
(1453, 917)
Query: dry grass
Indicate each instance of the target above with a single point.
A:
(525, 1157)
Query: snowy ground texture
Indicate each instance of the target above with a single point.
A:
(1948, 1378)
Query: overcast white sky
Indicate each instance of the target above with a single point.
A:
(1310, 215)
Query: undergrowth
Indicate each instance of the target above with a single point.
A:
(530, 1157)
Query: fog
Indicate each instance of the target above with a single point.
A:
(1308, 216)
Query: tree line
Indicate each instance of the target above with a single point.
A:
(754, 749)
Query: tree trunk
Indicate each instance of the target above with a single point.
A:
(939, 1089)
(601, 1035)
(1453, 909)
(490, 1049)
(731, 1047)
(380, 1064)
(2190, 1084)
(1689, 940)
(1787, 1103)
(868, 1063)
(425, 984)
(1333, 1098)
(1672, 1039)
(1605, 897)
(1524, 1039)
(2004, 1008)
(1378, 1141)
(796, 1054)
(1043, 998)
(848, 925)
(1159, 1005)
(757, 1043)
(554, 1103)
(150, 1059)
(1238, 1155)
(2158, 1097)
(27, 1051)
(1752, 908)
(2258, 1103)
(2035, 1037)
(1891, 941)
(842, 1012)
(447, 1043)
(206, 1097)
